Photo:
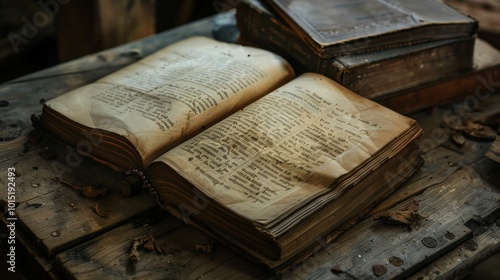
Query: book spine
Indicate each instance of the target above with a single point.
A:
(263, 28)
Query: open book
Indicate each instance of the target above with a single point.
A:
(232, 143)
(141, 111)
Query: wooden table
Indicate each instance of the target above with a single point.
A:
(59, 234)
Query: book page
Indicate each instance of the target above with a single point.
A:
(175, 92)
(286, 147)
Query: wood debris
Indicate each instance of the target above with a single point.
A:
(379, 270)
(87, 191)
(478, 130)
(147, 243)
(134, 251)
(205, 247)
(458, 139)
(408, 216)
(100, 212)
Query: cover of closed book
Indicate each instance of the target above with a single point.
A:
(351, 26)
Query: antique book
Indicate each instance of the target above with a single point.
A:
(232, 143)
(344, 26)
(131, 117)
(371, 74)
(479, 81)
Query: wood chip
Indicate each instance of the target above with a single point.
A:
(395, 261)
(458, 139)
(149, 244)
(206, 247)
(100, 212)
(379, 269)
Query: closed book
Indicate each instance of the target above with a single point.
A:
(345, 26)
(371, 74)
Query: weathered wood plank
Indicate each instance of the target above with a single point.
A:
(47, 208)
(442, 156)
(108, 256)
(461, 261)
(29, 260)
(451, 204)
(442, 196)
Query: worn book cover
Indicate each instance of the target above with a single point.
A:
(371, 74)
(345, 26)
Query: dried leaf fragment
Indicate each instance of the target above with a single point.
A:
(148, 243)
(134, 252)
(409, 216)
(478, 130)
(403, 217)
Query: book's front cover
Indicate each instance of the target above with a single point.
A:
(337, 22)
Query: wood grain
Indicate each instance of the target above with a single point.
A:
(108, 256)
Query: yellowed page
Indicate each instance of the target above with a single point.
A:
(288, 146)
(175, 92)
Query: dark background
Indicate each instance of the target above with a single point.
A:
(41, 51)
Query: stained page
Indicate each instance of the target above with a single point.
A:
(286, 147)
(174, 93)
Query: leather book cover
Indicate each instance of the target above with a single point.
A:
(336, 27)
